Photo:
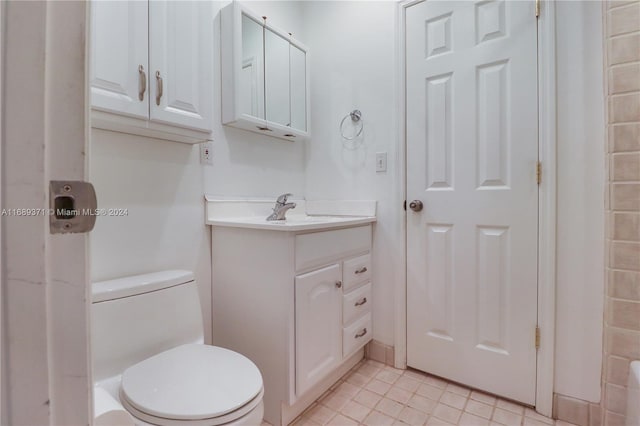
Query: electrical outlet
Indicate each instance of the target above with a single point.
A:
(381, 162)
(206, 153)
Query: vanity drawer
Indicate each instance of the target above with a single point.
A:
(356, 303)
(356, 271)
(356, 335)
(322, 248)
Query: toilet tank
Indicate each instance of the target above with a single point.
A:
(136, 317)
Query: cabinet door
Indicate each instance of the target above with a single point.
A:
(318, 325)
(181, 63)
(276, 71)
(118, 50)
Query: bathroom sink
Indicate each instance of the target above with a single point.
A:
(292, 222)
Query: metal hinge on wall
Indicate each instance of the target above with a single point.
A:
(537, 8)
(539, 172)
(537, 337)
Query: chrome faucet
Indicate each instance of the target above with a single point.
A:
(281, 208)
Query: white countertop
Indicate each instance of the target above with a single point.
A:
(293, 222)
(308, 215)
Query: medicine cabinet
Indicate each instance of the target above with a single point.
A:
(265, 76)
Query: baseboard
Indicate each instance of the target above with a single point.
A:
(380, 352)
(576, 411)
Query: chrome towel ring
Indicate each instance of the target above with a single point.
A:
(356, 117)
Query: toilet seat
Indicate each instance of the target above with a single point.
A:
(192, 384)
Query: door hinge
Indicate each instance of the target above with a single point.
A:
(539, 172)
(537, 8)
(537, 337)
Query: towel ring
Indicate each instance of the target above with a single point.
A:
(356, 117)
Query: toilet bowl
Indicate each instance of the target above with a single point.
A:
(148, 350)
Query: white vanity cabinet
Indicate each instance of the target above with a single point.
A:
(151, 68)
(297, 303)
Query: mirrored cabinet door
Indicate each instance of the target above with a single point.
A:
(298, 71)
(265, 73)
(276, 70)
(251, 75)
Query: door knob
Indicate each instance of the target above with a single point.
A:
(416, 205)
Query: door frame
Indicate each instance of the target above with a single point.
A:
(546, 201)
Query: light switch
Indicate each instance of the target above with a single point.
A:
(381, 162)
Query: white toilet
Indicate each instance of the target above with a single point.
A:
(148, 354)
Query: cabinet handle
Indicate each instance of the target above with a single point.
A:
(361, 301)
(158, 87)
(362, 333)
(142, 82)
(361, 270)
(338, 284)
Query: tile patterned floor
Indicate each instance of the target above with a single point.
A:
(373, 394)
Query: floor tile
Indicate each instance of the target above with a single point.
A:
(378, 387)
(468, 419)
(372, 394)
(347, 389)
(479, 409)
(421, 403)
(483, 397)
(446, 413)
(407, 383)
(367, 398)
(429, 391)
(320, 414)
(389, 407)
(453, 399)
(376, 418)
(387, 376)
(340, 420)
(411, 416)
(335, 401)
(400, 395)
(355, 410)
(506, 417)
(358, 379)
(457, 389)
(436, 381)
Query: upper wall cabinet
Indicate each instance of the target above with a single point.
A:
(152, 65)
(265, 76)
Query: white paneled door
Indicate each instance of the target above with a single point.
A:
(472, 150)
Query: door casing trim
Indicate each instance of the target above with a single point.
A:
(546, 201)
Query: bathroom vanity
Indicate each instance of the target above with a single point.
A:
(295, 297)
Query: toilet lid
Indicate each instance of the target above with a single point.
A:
(192, 382)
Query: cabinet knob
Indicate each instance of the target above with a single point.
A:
(361, 270)
(338, 284)
(362, 333)
(361, 302)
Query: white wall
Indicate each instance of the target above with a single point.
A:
(352, 66)
(249, 164)
(160, 183)
(581, 178)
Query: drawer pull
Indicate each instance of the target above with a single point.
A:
(362, 333)
(361, 302)
(361, 270)
(338, 284)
